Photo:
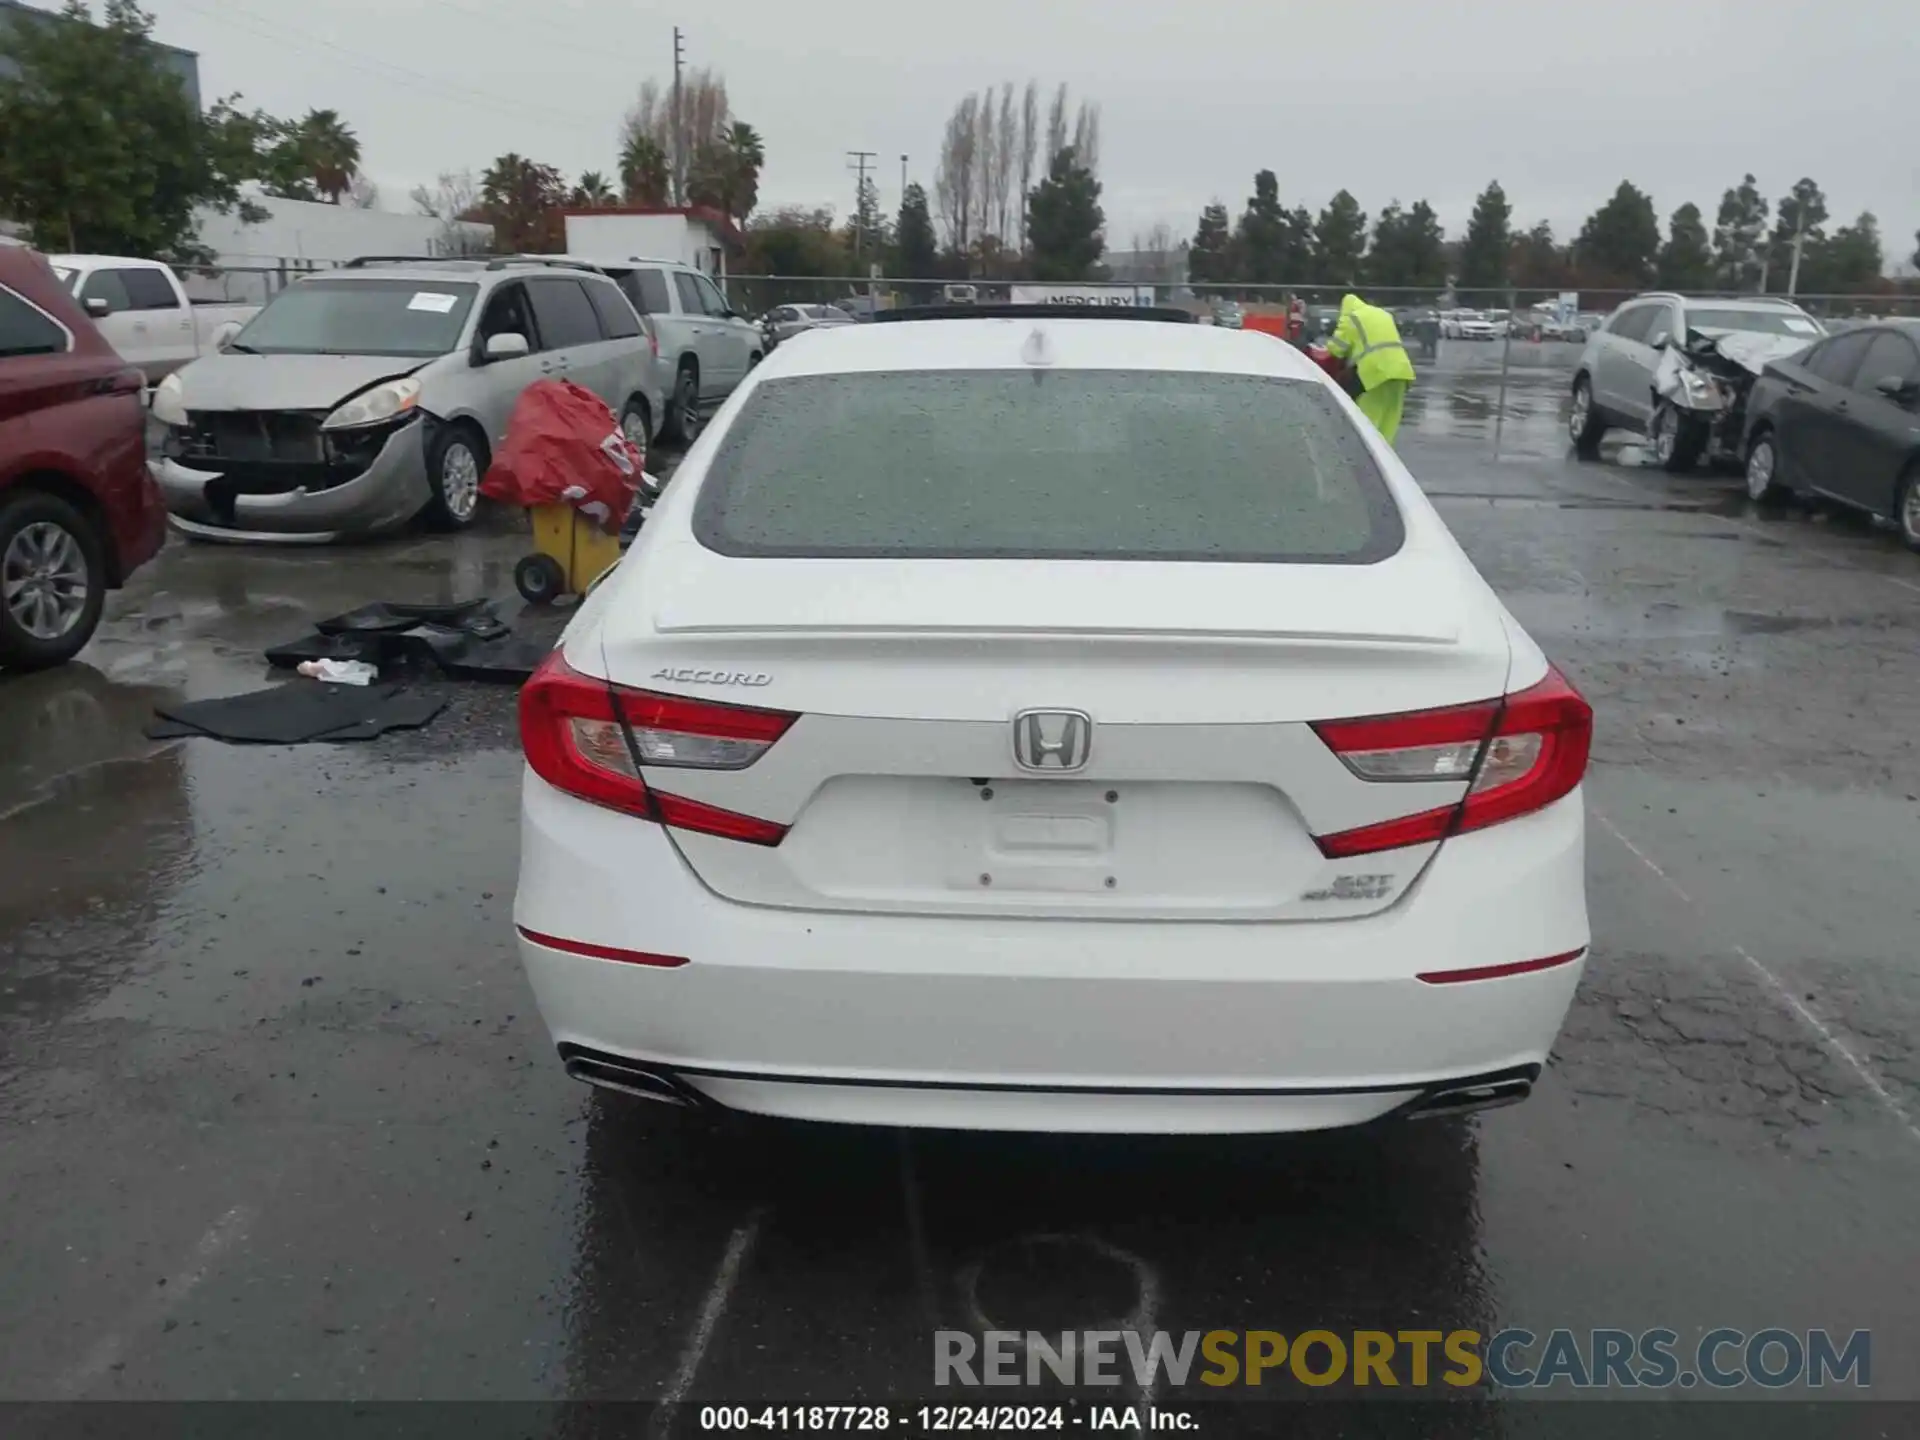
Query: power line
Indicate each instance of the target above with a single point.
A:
(277, 30)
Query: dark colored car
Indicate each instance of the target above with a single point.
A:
(78, 510)
(1842, 420)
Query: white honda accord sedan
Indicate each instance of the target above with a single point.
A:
(1040, 723)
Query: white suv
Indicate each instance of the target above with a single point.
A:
(706, 346)
(1028, 722)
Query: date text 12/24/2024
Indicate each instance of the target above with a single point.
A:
(942, 1419)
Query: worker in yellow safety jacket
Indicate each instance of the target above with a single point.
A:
(1368, 342)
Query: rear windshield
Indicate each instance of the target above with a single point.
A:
(410, 318)
(1035, 464)
(1758, 322)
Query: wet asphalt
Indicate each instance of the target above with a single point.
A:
(278, 1119)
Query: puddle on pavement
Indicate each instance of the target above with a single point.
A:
(1556, 614)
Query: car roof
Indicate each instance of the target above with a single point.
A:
(74, 262)
(1755, 303)
(997, 343)
(479, 269)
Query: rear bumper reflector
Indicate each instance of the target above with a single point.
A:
(1500, 972)
(603, 952)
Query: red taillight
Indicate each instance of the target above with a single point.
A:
(582, 735)
(1523, 752)
(1499, 972)
(603, 952)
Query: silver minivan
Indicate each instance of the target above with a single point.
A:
(361, 397)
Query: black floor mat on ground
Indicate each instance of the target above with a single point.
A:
(392, 615)
(507, 659)
(298, 712)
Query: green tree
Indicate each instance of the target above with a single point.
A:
(1420, 246)
(1065, 224)
(332, 152)
(1802, 212)
(1739, 234)
(1264, 233)
(645, 176)
(726, 172)
(1340, 240)
(795, 240)
(1484, 252)
(1620, 243)
(1210, 257)
(592, 192)
(1537, 262)
(1852, 260)
(1686, 260)
(101, 148)
(523, 201)
(916, 250)
(867, 237)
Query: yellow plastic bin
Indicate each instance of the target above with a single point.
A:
(570, 552)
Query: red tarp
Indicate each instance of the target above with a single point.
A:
(564, 447)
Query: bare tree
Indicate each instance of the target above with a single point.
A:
(956, 176)
(362, 193)
(454, 200)
(705, 116)
(1029, 143)
(1159, 254)
(986, 158)
(1086, 136)
(1006, 157)
(1056, 126)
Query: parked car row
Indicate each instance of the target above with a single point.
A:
(362, 397)
(1760, 384)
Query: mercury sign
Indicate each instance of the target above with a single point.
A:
(1082, 294)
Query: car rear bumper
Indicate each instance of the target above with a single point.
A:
(1048, 1025)
(391, 491)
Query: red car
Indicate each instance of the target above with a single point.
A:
(78, 510)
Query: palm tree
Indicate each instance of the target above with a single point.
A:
(745, 155)
(643, 170)
(330, 152)
(592, 192)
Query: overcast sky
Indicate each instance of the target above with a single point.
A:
(1559, 102)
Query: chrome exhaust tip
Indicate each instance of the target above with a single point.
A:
(1463, 1097)
(611, 1073)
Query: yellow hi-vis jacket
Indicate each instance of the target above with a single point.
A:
(1368, 340)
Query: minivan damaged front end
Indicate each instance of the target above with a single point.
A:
(295, 475)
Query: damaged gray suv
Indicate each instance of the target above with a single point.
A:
(1677, 368)
(364, 396)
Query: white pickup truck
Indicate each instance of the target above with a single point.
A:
(144, 313)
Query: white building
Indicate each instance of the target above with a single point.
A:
(697, 235)
(300, 236)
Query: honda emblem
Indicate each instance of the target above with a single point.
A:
(1052, 739)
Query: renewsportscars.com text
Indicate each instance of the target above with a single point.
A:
(1514, 1359)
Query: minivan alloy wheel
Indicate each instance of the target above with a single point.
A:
(44, 580)
(460, 479)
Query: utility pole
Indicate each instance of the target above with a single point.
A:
(1799, 238)
(862, 159)
(903, 179)
(679, 129)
